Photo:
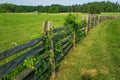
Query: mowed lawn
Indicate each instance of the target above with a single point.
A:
(17, 28)
(96, 57)
(111, 13)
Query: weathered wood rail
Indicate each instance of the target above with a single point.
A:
(50, 48)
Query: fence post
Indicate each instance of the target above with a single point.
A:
(101, 18)
(105, 18)
(94, 20)
(74, 39)
(98, 19)
(86, 29)
(90, 21)
(47, 28)
(83, 19)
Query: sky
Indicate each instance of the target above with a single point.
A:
(49, 2)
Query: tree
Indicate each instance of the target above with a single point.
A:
(93, 7)
(54, 8)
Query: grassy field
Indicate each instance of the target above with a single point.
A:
(18, 28)
(111, 14)
(96, 57)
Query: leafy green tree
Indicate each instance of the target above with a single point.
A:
(92, 8)
(54, 8)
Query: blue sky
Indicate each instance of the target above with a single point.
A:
(49, 2)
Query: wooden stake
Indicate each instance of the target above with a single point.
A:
(86, 29)
(83, 21)
(47, 29)
(52, 60)
(74, 38)
(90, 21)
(98, 19)
(94, 20)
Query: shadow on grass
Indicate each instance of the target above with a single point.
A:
(86, 77)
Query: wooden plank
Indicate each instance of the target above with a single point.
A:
(82, 29)
(58, 36)
(67, 49)
(58, 29)
(42, 57)
(16, 49)
(28, 70)
(80, 36)
(34, 76)
(74, 38)
(44, 71)
(23, 74)
(64, 52)
(6, 68)
(31, 76)
(63, 41)
(65, 45)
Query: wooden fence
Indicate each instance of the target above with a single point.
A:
(47, 50)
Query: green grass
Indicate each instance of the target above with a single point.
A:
(96, 57)
(18, 28)
(21, 27)
(111, 14)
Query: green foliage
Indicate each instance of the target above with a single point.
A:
(94, 9)
(74, 25)
(71, 20)
(7, 8)
(31, 61)
(58, 47)
(54, 9)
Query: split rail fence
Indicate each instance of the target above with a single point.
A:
(47, 50)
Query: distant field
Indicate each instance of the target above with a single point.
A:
(111, 14)
(17, 28)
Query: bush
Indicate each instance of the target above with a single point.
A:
(71, 20)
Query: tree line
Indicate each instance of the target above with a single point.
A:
(93, 7)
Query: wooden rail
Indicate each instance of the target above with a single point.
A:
(21, 47)
(58, 41)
